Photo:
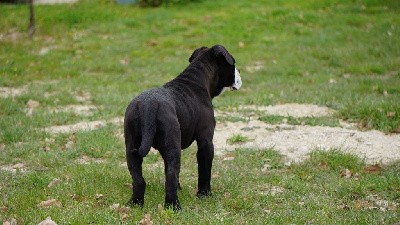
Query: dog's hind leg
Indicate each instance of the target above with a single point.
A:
(172, 161)
(138, 183)
(165, 171)
(134, 161)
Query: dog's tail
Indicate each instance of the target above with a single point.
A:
(148, 122)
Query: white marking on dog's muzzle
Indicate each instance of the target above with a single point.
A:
(238, 81)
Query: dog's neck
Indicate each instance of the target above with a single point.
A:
(202, 75)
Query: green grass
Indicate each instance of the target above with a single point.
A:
(243, 192)
(312, 121)
(342, 54)
(237, 139)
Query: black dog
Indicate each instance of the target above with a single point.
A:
(171, 117)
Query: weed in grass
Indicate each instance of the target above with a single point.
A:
(237, 139)
(231, 119)
(312, 121)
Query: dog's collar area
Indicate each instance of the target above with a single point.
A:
(238, 80)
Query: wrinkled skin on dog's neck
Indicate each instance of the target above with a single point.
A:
(206, 79)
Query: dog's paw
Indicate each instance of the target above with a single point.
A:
(135, 203)
(204, 193)
(176, 206)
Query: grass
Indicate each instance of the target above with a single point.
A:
(237, 139)
(342, 54)
(312, 121)
(243, 192)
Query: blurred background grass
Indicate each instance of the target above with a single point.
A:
(343, 54)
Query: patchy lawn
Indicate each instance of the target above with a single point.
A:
(312, 136)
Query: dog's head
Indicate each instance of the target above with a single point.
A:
(227, 76)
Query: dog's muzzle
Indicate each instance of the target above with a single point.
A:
(238, 81)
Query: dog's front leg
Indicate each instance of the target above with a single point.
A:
(205, 156)
(172, 161)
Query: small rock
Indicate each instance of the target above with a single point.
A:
(47, 221)
(47, 144)
(146, 220)
(288, 164)
(18, 166)
(54, 182)
(266, 168)
(346, 173)
(124, 209)
(49, 140)
(99, 196)
(385, 93)
(391, 114)
(32, 104)
(227, 194)
(83, 96)
(323, 165)
(47, 148)
(49, 203)
(215, 175)
(124, 216)
(44, 51)
(228, 158)
(69, 145)
(124, 61)
(374, 169)
(11, 222)
(84, 160)
(356, 176)
(276, 190)
(114, 206)
(273, 191)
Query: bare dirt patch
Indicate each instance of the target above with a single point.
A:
(291, 109)
(14, 168)
(81, 110)
(295, 142)
(82, 97)
(51, 2)
(83, 126)
(255, 67)
(9, 92)
(84, 160)
(12, 35)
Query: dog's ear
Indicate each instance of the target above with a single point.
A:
(196, 53)
(220, 52)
